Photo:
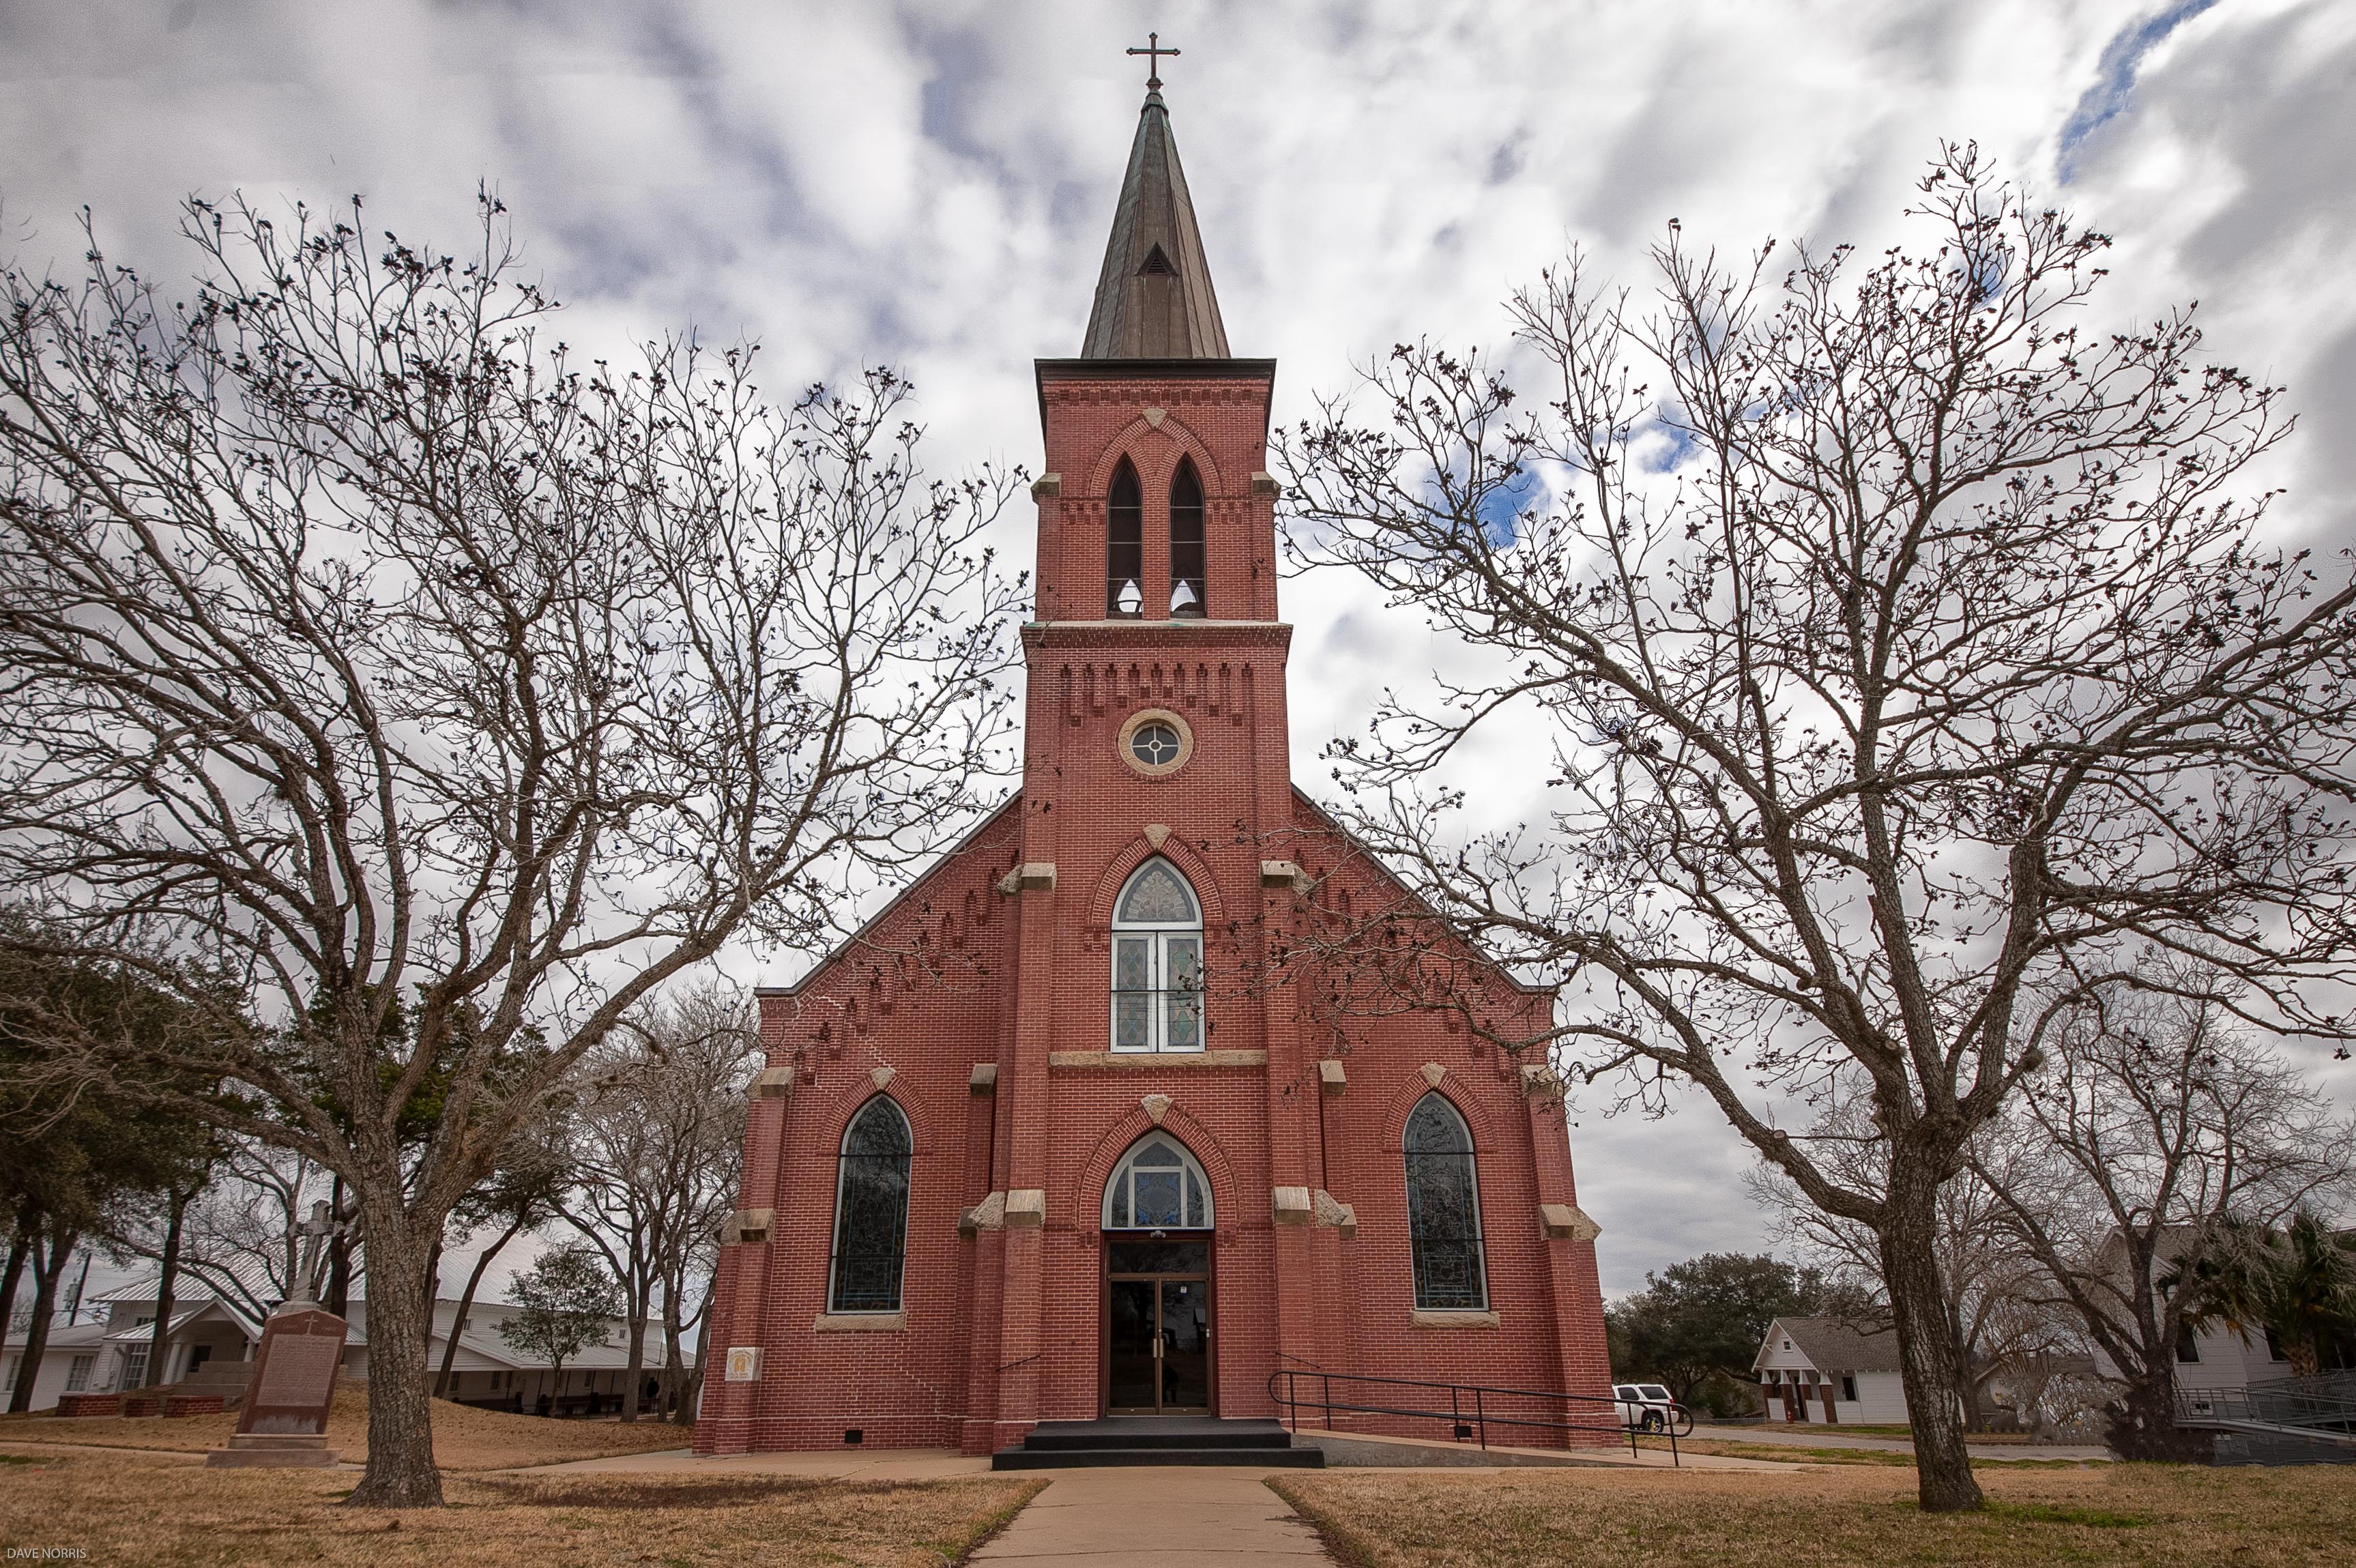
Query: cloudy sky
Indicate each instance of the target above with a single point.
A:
(929, 185)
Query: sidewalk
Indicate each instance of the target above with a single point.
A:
(1203, 1516)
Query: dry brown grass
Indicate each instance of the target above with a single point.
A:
(157, 1509)
(2146, 1516)
(464, 1438)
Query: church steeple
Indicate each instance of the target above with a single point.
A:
(1155, 299)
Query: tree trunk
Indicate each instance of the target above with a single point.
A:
(691, 1399)
(2142, 1421)
(674, 1387)
(400, 1472)
(20, 1246)
(1910, 1267)
(47, 1273)
(465, 1302)
(159, 1344)
(637, 1369)
(337, 1295)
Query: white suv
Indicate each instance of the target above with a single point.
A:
(1647, 1407)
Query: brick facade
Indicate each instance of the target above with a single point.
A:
(992, 961)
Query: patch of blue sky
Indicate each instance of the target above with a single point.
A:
(2115, 76)
(1501, 507)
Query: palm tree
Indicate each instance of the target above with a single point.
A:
(2300, 1283)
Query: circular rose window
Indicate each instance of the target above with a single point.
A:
(1156, 742)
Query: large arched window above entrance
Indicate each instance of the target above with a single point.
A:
(1157, 1186)
(1443, 1208)
(1157, 962)
(1124, 546)
(1189, 593)
(871, 1209)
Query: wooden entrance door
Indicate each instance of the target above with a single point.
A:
(1157, 1327)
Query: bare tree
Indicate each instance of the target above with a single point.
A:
(1906, 655)
(1989, 1323)
(2155, 1130)
(655, 1143)
(447, 696)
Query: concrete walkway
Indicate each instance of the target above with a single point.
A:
(1203, 1517)
(1981, 1452)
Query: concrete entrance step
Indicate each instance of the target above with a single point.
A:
(1127, 1440)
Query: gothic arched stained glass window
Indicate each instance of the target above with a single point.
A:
(1157, 1185)
(1443, 1209)
(1157, 962)
(871, 1209)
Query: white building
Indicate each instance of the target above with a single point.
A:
(1830, 1369)
(211, 1338)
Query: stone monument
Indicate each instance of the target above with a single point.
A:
(283, 1421)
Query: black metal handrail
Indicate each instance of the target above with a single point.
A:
(2283, 1405)
(1675, 1423)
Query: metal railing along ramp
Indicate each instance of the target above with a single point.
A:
(2309, 1411)
(1469, 1410)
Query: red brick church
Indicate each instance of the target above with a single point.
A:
(1070, 1130)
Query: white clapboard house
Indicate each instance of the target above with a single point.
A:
(1830, 1369)
(106, 1349)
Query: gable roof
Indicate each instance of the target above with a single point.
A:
(1834, 1344)
(1153, 298)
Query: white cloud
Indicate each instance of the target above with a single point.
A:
(932, 183)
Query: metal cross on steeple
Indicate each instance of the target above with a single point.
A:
(1153, 51)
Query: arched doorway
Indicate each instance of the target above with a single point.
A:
(1158, 1318)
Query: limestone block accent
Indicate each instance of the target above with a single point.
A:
(1335, 1213)
(990, 1214)
(883, 1075)
(748, 1225)
(1264, 484)
(1285, 873)
(1031, 877)
(1567, 1223)
(860, 1323)
(1540, 1082)
(983, 1080)
(1293, 1206)
(1156, 1106)
(1330, 1076)
(1433, 1072)
(1047, 488)
(1157, 833)
(774, 1083)
(1026, 1208)
(1154, 416)
(1066, 1060)
(1423, 1319)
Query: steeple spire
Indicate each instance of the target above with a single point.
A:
(1153, 298)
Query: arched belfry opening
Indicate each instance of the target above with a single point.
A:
(1125, 545)
(1189, 593)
